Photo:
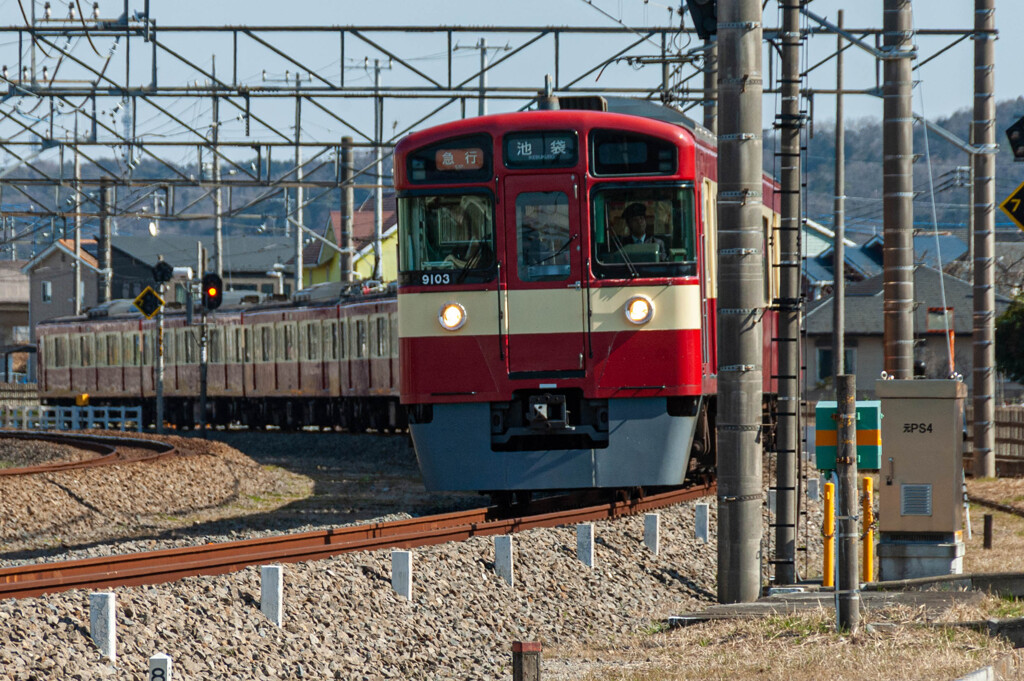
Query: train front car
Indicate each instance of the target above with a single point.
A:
(550, 304)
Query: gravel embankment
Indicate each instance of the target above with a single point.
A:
(342, 619)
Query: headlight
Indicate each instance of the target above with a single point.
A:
(452, 316)
(639, 309)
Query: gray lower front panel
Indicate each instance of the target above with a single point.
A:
(646, 447)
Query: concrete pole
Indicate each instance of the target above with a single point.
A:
(160, 365)
(218, 221)
(839, 207)
(898, 190)
(348, 200)
(299, 212)
(788, 433)
(103, 247)
(482, 108)
(984, 165)
(848, 586)
(77, 265)
(378, 165)
(741, 301)
(711, 86)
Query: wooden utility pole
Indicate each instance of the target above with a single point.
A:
(741, 301)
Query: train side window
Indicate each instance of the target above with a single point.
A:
(288, 334)
(215, 346)
(147, 348)
(101, 350)
(360, 339)
(86, 350)
(113, 350)
(266, 343)
(185, 341)
(75, 355)
(343, 334)
(329, 337)
(247, 345)
(382, 336)
(312, 342)
(394, 335)
(543, 236)
(60, 351)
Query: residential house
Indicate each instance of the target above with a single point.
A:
(864, 337)
(322, 263)
(14, 320)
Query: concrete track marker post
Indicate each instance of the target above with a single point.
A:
(401, 573)
(585, 543)
(503, 561)
(272, 593)
(103, 624)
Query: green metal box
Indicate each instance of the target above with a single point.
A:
(869, 435)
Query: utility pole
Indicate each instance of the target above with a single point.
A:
(788, 434)
(839, 207)
(898, 190)
(299, 212)
(348, 200)
(482, 109)
(160, 363)
(711, 85)
(218, 220)
(984, 165)
(741, 302)
(378, 165)
(847, 586)
(103, 247)
(77, 265)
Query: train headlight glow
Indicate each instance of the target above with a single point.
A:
(452, 316)
(639, 309)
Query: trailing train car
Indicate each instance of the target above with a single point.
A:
(557, 300)
(326, 358)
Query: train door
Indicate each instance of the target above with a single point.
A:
(546, 331)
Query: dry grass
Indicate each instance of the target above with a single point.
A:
(787, 648)
(1007, 552)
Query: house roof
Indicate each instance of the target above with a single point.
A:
(248, 255)
(362, 229)
(864, 299)
(866, 260)
(66, 246)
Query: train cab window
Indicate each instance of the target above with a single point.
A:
(543, 236)
(360, 339)
(618, 153)
(643, 231)
(446, 239)
(461, 159)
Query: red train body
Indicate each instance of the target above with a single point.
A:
(557, 299)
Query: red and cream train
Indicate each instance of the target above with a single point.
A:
(554, 326)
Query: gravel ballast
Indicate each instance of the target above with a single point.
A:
(341, 617)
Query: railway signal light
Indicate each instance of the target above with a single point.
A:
(1015, 133)
(213, 291)
(162, 272)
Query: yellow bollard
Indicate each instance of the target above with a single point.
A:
(868, 515)
(828, 531)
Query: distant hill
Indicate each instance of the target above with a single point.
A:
(864, 173)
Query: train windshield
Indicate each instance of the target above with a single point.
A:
(446, 239)
(643, 231)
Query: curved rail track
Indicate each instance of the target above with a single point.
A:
(111, 450)
(211, 559)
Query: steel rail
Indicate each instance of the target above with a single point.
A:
(156, 567)
(106, 446)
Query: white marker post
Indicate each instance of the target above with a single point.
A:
(401, 573)
(272, 593)
(103, 625)
(701, 523)
(160, 667)
(652, 531)
(585, 543)
(503, 563)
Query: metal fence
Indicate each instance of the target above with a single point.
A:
(70, 418)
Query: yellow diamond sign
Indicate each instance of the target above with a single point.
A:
(1014, 206)
(149, 302)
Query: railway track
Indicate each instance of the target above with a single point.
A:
(111, 450)
(164, 566)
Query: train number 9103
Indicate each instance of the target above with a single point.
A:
(436, 278)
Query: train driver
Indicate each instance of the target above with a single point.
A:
(635, 215)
